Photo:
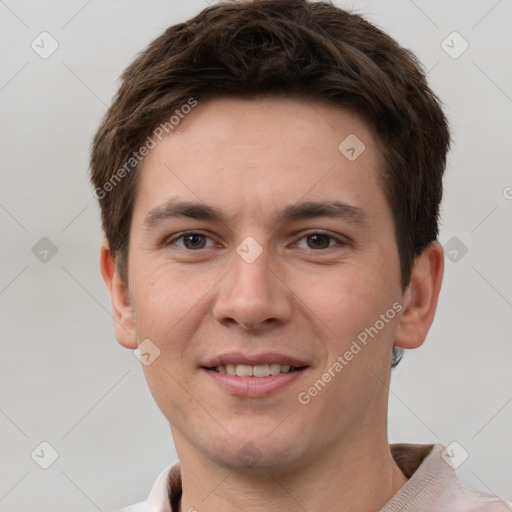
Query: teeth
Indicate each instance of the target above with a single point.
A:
(259, 370)
(275, 369)
(243, 370)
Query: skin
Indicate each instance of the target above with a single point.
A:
(250, 159)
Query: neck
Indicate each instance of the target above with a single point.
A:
(356, 477)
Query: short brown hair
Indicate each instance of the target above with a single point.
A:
(311, 50)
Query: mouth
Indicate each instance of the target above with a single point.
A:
(253, 376)
(256, 371)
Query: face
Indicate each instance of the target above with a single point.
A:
(286, 268)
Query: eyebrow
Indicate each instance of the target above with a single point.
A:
(291, 213)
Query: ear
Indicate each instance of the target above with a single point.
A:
(420, 299)
(122, 311)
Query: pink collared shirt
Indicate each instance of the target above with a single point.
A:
(432, 486)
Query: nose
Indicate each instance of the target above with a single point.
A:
(253, 295)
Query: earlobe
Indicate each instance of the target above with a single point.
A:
(122, 311)
(420, 298)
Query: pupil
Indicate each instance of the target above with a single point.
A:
(317, 240)
(192, 240)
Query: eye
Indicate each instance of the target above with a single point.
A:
(194, 241)
(320, 241)
(191, 241)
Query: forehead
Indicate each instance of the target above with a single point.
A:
(249, 154)
(292, 126)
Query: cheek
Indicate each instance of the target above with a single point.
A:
(168, 387)
(157, 307)
(168, 306)
(162, 295)
(343, 290)
(349, 300)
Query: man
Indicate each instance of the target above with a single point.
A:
(269, 177)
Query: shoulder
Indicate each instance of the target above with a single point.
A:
(433, 484)
(137, 507)
(158, 498)
(461, 498)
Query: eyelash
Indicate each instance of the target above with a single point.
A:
(189, 233)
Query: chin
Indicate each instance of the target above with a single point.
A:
(251, 454)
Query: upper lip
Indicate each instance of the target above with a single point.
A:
(252, 359)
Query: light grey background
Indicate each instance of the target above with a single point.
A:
(64, 378)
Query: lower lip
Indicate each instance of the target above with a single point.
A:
(254, 387)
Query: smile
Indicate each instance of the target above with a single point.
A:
(259, 370)
(254, 381)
